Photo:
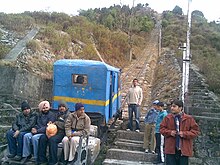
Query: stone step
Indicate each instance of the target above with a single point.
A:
(201, 100)
(131, 135)
(3, 130)
(7, 112)
(200, 97)
(124, 125)
(121, 154)
(203, 105)
(200, 110)
(126, 144)
(6, 120)
(209, 114)
(124, 162)
(199, 90)
(3, 147)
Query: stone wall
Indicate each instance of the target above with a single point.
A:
(207, 145)
(17, 85)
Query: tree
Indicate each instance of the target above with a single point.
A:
(177, 10)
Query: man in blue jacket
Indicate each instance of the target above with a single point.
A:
(23, 123)
(149, 133)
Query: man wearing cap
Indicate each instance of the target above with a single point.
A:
(53, 141)
(159, 137)
(179, 130)
(23, 123)
(134, 100)
(149, 133)
(42, 119)
(76, 125)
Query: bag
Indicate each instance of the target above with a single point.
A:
(51, 130)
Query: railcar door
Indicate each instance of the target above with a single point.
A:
(112, 94)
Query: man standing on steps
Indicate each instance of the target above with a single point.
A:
(134, 99)
(179, 130)
(159, 137)
(149, 132)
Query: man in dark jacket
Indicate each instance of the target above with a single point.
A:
(23, 123)
(53, 141)
(179, 130)
(43, 118)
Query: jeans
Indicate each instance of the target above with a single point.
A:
(28, 139)
(53, 147)
(133, 108)
(176, 159)
(15, 144)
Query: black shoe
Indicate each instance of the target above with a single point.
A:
(157, 162)
(11, 155)
(17, 158)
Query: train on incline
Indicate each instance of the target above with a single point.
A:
(93, 83)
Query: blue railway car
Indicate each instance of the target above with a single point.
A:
(93, 83)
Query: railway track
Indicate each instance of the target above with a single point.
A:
(126, 147)
(143, 70)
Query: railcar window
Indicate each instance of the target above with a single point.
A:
(79, 79)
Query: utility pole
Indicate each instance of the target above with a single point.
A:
(186, 59)
(130, 32)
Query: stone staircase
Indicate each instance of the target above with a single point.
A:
(7, 116)
(127, 148)
(201, 102)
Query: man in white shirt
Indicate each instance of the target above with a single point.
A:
(134, 99)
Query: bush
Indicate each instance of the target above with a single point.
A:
(33, 45)
(3, 50)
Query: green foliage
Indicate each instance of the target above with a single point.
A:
(58, 40)
(205, 43)
(33, 45)
(16, 22)
(3, 50)
(131, 20)
(177, 10)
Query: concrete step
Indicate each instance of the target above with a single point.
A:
(126, 144)
(124, 162)
(121, 154)
(130, 135)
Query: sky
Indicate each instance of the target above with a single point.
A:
(210, 8)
